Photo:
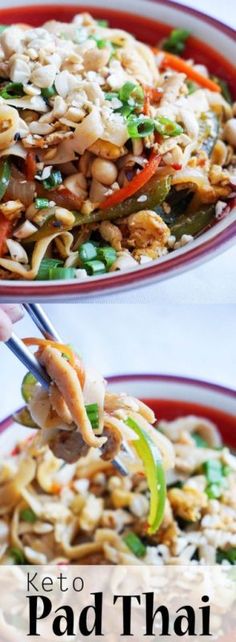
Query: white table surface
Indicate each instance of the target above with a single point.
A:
(213, 282)
(197, 341)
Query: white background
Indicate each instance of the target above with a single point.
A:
(191, 340)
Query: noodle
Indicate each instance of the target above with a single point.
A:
(108, 148)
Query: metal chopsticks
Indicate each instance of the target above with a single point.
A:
(26, 357)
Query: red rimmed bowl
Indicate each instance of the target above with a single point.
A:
(169, 396)
(149, 21)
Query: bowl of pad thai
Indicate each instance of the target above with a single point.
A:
(63, 501)
(117, 146)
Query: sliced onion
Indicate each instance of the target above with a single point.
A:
(62, 197)
(22, 190)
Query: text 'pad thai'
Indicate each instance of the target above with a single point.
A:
(86, 512)
(113, 154)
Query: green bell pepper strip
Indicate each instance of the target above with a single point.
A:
(23, 417)
(5, 175)
(155, 191)
(193, 223)
(28, 385)
(153, 466)
(208, 131)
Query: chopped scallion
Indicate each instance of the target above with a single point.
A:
(41, 203)
(167, 127)
(87, 252)
(93, 268)
(48, 92)
(54, 180)
(176, 42)
(45, 266)
(229, 555)
(108, 255)
(102, 23)
(62, 273)
(132, 91)
(28, 515)
(140, 126)
(199, 441)
(135, 544)
(12, 90)
(213, 471)
(93, 415)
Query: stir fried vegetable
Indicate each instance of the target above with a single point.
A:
(155, 192)
(61, 273)
(135, 184)
(45, 266)
(153, 466)
(193, 223)
(28, 515)
(216, 474)
(93, 415)
(12, 90)
(209, 129)
(228, 555)
(5, 174)
(135, 544)
(54, 180)
(176, 42)
(28, 386)
(5, 231)
(178, 64)
(23, 417)
(226, 93)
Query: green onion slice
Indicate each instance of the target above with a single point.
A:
(54, 180)
(12, 90)
(93, 415)
(28, 515)
(135, 544)
(176, 42)
(108, 255)
(93, 268)
(199, 441)
(131, 92)
(140, 126)
(229, 555)
(87, 251)
(41, 203)
(62, 273)
(45, 266)
(102, 23)
(48, 92)
(167, 127)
